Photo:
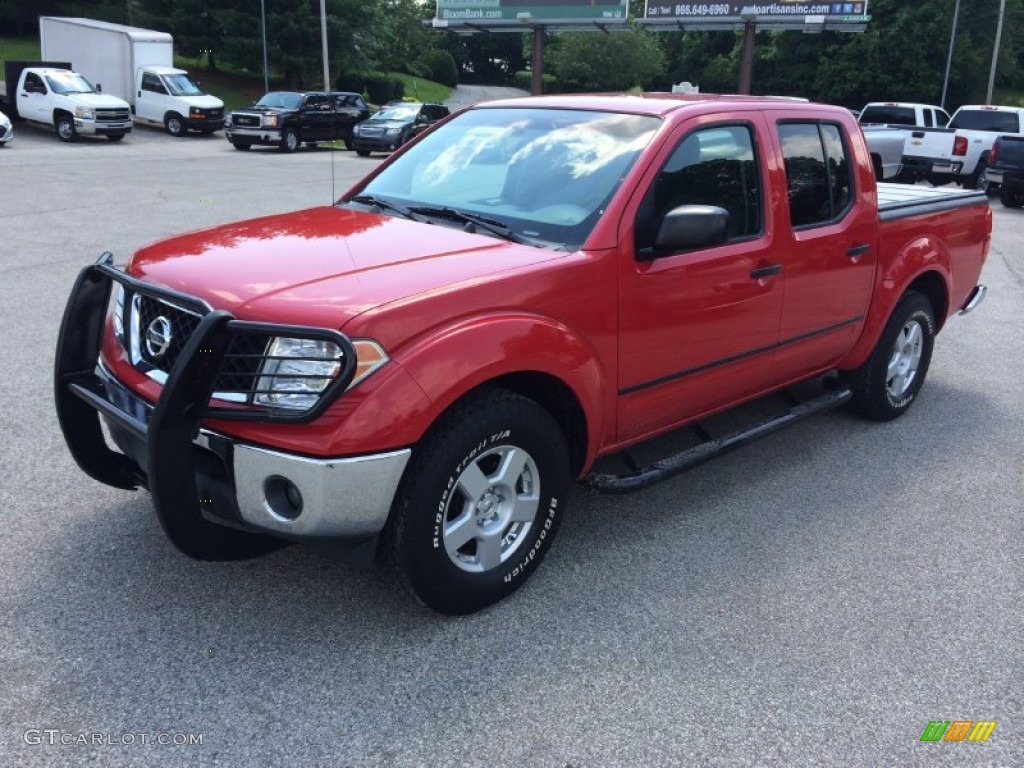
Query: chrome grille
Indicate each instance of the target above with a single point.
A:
(147, 313)
(112, 115)
(247, 121)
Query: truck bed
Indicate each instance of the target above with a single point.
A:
(897, 201)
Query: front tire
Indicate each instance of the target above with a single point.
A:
(64, 127)
(115, 136)
(479, 503)
(888, 382)
(175, 124)
(241, 146)
(363, 152)
(290, 140)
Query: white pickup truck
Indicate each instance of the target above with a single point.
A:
(980, 125)
(69, 103)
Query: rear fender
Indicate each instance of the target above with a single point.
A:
(923, 263)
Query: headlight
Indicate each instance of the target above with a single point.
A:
(196, 114)
(85, 112)
(295, 372)
(269, 121)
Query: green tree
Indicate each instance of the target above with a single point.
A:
(589, 61)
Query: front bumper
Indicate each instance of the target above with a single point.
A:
(204, 123)
(269, 136)
(191, 471)
(377, 143)
(91, 127)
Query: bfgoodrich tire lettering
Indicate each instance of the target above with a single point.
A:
(479, 504)
(887, 384)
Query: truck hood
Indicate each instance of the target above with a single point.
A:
(323, 266)
(206, 101)
(100, 100)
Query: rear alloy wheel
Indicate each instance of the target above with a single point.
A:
(175, 124)
(64, 127)
(290, 140)
(886, 385)
(479, 503)
(979, 179)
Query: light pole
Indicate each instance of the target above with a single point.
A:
(995, 51)
(263, 24)
(949, 57)
(323, 36)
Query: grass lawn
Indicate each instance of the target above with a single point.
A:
(422, 90)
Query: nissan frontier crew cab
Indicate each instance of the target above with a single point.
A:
(524, 289)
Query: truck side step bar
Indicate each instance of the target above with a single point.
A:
(709, 448)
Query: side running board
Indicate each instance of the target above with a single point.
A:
(641, 477)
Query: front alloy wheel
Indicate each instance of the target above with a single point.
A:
(479, 503)
(290, 140)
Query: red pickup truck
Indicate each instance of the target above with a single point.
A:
(527, 287)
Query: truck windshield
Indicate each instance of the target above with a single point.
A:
(281, 100)
(181, 85)
(68, 82)
(986, 120)
(544, 174)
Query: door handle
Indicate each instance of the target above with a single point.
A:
(768, 271)
(858, 250)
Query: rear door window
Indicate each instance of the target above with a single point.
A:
(992, 120)
(818, 173)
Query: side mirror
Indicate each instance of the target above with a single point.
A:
(99, 87)
(689, 227)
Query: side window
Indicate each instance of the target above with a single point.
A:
(929, 118)
(34, 82)
(942, 117)
(151, 82)
(318, 102)
(817, 172)
(712, 166)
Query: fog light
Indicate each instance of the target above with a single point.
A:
(283, 497)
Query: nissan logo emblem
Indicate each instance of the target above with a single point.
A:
(158, 336)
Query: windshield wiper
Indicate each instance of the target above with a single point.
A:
(494, 226)
(385, 205)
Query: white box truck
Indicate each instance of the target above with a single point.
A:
(136, 65)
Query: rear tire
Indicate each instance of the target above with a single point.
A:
(978, 180)
(1011, 195)
(888, 382)
(479, 503)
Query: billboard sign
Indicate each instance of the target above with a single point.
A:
(856, 12)
(484, 12)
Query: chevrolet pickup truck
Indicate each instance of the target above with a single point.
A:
(67, 102)
(526, 288)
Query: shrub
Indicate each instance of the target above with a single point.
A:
(378, 87)
(442, 67)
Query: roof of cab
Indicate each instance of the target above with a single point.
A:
(655, 104)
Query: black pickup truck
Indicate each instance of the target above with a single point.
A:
(1006, 169)
(286, 119)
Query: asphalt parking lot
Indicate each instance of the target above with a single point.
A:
(816, 598)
